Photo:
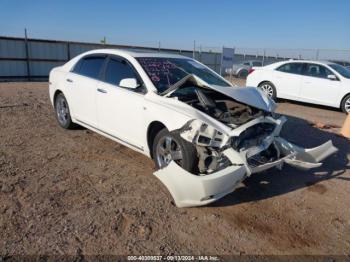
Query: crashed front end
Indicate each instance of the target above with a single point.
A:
(251, 142)
(225, 160)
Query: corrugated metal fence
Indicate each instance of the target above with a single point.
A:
(32, 59)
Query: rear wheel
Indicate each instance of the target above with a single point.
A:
(269, 89)
(62, 112)
(169, 147)
(243, 74)
(345, 104)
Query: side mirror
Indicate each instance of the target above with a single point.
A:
(129, 83)
(332, 77)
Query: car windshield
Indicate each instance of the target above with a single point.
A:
(341, 70)
(164, 72)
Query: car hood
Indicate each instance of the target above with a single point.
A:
(247, 95)
(251, 96)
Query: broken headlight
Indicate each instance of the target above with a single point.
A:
(203, 134)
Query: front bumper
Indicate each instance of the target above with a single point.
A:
(190, 190)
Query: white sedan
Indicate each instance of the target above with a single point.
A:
(204, 135)
(323, 83)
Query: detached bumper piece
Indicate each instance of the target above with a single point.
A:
(189, 190)
(302, 158)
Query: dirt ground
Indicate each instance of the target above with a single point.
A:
(76, 192)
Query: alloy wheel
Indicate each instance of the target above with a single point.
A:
(268, 89)
(347, 105)
(62, 110)
(167, 150)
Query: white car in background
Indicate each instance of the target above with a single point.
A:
(323, 83)
(204, 135)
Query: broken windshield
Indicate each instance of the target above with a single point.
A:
(164, 72)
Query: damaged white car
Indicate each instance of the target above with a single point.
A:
(204, 135)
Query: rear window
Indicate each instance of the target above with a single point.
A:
(89, 66)
(292, 68)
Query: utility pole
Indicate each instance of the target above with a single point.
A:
(194, 49)
(104, 40)
(27, 53)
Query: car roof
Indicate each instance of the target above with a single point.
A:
(136, 53)
(322, 62)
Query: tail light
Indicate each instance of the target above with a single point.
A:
(251, 70)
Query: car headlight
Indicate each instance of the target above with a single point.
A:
(203, 134)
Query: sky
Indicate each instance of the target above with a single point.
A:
(178, 23)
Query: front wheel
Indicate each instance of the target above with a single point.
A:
(169, 147)
(345, 104)
(269, 89)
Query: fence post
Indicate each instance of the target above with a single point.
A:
(68, 51)
(194, 49)
(27, 53)
(263, 60)
(317, 54)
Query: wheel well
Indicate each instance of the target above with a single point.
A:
(152, 131)
(342, 100)
(57, 92)
(265, 81)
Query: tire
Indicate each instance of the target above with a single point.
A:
(269, 89)
(166, 147)
(345, 104)
(242, 74)
(62, 112)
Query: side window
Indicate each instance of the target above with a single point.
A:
(117, 70)
(315, 70)
(89, 66)
(292, 68)
(246, 63)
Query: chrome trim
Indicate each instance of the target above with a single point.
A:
(117, 138)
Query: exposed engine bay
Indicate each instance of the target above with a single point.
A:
(217, 105)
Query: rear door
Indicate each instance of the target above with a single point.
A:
(287, 80)
(121, 110)
(317, 88)
(82, 83)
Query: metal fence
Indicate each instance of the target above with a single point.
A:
(32, 59)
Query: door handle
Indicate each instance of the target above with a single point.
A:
(101, 90)
(69, 80)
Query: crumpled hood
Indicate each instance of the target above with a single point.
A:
(247, 95)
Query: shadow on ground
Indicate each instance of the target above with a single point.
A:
(275, 182)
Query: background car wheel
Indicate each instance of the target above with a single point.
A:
(269, 89)
(62, 112)
(171, 146)
(345, 104)
(242, 74)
